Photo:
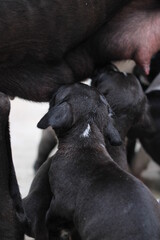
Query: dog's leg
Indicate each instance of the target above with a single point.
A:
(39, 194)
(11, 210)
(59, 228)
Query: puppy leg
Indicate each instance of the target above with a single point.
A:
(59, 228)
(39, 194)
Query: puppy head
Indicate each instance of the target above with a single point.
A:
(126, 97)
(78, 103)
(122, 90)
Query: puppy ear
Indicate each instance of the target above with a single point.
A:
(111, 133)
(59, 116)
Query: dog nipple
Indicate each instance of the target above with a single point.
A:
(146, 68)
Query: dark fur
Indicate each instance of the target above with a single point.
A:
(47, 44)
(150, 144)
(36, 37)
(12, 217)
(37, 203)
(129, 104)
(47, 143)
(90, 191)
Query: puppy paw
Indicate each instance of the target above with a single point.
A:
(65, 235)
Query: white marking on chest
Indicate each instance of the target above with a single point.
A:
(86, 132)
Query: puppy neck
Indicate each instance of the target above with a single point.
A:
(83, 134)
(123, 125)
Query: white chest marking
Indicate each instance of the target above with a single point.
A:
(86, 131)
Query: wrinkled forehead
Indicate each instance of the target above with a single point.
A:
(118, 83)
(78, 92)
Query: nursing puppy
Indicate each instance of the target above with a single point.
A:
(151, 85)
(38, 200)
(129, 104)
(90, 191)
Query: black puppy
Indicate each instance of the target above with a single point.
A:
(151, 85)
(39, 196)
(90, 191)
(129, 104)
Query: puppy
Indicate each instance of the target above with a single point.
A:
(129, 104)
(152, 91)
(89, 190)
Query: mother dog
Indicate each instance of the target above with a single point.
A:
(44, 44)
